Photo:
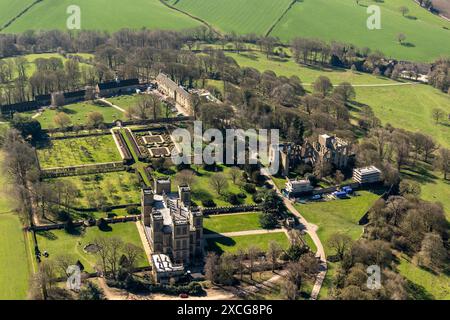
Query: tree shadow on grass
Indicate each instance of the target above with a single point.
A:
(213, 244)
(47, 235)
(418, 292)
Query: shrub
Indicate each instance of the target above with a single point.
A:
(209, 203)
(249, 188)
(233, 199)
(132, 210)
(241, 195)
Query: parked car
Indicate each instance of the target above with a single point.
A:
(184, 296)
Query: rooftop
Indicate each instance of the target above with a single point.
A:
(162, 263)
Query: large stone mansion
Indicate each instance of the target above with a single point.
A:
(171, 89)
(173, 227)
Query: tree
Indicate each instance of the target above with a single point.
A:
(218, 182)
(432, 254)
(268, 220)
(211, 263)
(95, 119)
(62, 120)
(240, 266)
(345, 91)
(132, 253)
(340, 243)
(289, 290)
(185, 177)
(273, 253)
(272, 203)
(401, 37)
(323, 85)
(443, 161)
(403, 10)
(91, 292)
(339, 177)
(252, 254)
(437, 114)
(234, 173)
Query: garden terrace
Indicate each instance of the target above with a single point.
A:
(125, 153)
(139, 152)
(78, 151)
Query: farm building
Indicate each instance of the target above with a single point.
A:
(181, 97)
(367, 175)
(117, 87)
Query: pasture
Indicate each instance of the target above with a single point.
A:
(346, 21)
(250, 16)
(405, 106)
(78, 114)
(108, 15)
(424, 284)
(78, 151)
(59, 242)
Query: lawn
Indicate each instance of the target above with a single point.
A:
(109, 15)
(79, 151)
(127, 101)
(59, 242)
(14, 262)
(433, 186)
(78, 114)
(426, 285)
(231, 222)
(346, 21)
(338, 216)
(201, 189)
(110, 189)
(232, 244)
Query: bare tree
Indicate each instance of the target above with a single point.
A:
(252, 253)
(234, 173)
(340, 243)
(273, 253)
(218, 182)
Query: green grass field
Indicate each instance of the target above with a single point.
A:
(231, 222)
(14, 262)
(79, 151)
(250, 16)
(59, 242)
(307, 74)
(403, 106)
(110, 15)
(343, 20)
(78, 114)
(425, 284)
(116, 188)
(11, 8)
(232, 244)
(338, 216)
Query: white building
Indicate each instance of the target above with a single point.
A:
(163, 269)
(367, 175)
(298, 186)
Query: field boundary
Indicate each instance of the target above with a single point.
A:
(20, 14)
(269, 31)
(207, 24)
